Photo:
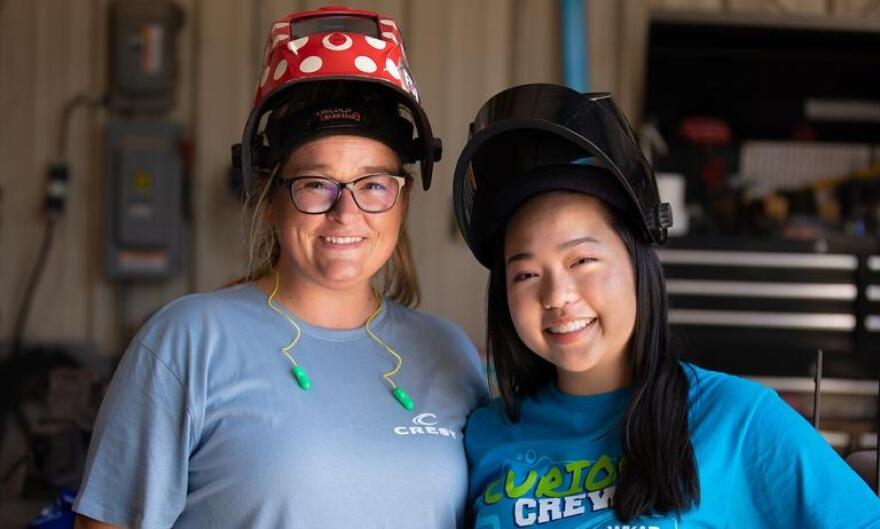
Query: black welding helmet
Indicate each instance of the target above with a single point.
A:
(542, 137)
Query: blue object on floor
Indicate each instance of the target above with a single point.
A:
(59, 515)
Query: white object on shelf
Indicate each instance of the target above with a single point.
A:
(769, 166)
(672, 190)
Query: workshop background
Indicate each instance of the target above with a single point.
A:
(763, 117)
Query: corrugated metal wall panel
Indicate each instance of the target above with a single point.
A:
(462, 51)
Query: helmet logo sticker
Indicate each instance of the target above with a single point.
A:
(365, 64)
(338, 114)
(337, 42)
(311, 64)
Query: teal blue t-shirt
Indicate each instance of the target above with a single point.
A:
(760, 464)
(204, 425)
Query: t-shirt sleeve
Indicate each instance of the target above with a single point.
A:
(480, 437)
(796, 479)
(136, 470)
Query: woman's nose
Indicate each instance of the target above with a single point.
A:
(558, 290)
(345, 206)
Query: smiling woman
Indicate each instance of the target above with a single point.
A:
(598, 423)
(280, 401)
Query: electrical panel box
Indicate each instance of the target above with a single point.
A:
(143, 54)
(143, 200)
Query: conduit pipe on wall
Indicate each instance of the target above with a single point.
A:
(575, 61)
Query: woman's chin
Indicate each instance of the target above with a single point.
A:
(343, 275)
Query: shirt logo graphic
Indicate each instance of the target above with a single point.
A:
(425, 419)
(426, 424)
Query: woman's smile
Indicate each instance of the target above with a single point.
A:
(571, 331)
(342, 243)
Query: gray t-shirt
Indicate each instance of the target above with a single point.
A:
(204, 426)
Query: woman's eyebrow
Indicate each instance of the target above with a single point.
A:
(523, 256)
(309, 168)
(575, 242)
(320, 168)
(378, 169)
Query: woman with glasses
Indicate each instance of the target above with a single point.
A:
(310, 394)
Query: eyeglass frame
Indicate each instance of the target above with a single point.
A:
(340, 186)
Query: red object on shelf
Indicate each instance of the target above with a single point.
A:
(706, 131)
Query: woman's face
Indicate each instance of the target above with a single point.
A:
(571, 290)
(344, 247)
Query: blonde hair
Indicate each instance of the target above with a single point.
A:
(399, 280)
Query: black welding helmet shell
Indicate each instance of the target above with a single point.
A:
(306, 103)
(521, 141)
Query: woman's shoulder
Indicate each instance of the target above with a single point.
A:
(214, 300)
(489, 414)
(485, 425)
(201, 311)
(724, 386)
(737, 397)
(423, 322)
(433, 337)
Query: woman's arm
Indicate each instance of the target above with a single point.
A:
(797, 479)
(136, 471)
(83, 522)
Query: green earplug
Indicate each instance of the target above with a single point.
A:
(403, 398)
(302, 378)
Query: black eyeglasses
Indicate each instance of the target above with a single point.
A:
(373, 193)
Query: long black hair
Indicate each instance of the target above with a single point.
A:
(659, 471)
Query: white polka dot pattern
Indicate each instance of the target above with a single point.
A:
(379, 44)
(296, 45)
(365, 64)
(290, 57)
(392, 69)
(311, 64)
(280, 69)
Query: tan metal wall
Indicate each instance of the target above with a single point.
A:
(50, 50)
(462, 51)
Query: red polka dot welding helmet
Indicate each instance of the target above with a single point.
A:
(334, 71)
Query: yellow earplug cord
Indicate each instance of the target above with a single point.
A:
(302, 377)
